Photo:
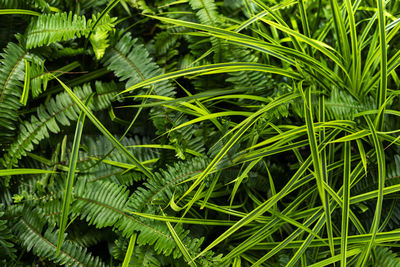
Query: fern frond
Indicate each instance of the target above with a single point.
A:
(386, 258)
(7, 250)
(132, 63)
(103, 204)
(159, 191)
(29, 231)
(97, 148)
(143, 257)
(206, 11)
(341, 105)
(99, 38)
(58, 112)
(11, 76)
(50, 28)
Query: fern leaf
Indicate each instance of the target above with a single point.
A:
(99, 39)
(58, 112)
(7, 249)
(103, 204)
(386, 258)
(97, 148)
(29, 231)
(50, 28)
(11, 76)
(161, 189)
(206, 11)
(131, 62)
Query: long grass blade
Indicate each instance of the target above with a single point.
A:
(383, 61)
(346, 203)
(380, 156)
(106, 133)
(71, 177)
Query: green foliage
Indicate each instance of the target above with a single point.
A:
(50, 28)
(386, 257)
(11, 81)
(58, 111)
(7, 250)
(43, 243)
(220, 133)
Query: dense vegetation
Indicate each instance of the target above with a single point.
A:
(199, 133)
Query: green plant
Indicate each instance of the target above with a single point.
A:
(200, 133)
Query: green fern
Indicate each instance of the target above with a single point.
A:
(49, 118)
(50, 28)
(206, 12)
(100, 148)
(160, 190)
(384, 257)
(103, 204)
(132, 63)
(12, 75)
(7, 250)
(33, 235)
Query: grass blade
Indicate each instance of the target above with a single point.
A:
(129, 251)
(346, 203)
(23, 171)
(25, 91)
(19, 11)
(106, 133)
(383, 77)
(181, 246)
(380, 156)
(71, 177)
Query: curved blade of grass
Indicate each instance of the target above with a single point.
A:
(346, 203)
(354, 239)
(239, 179)
(320, 46)
(212, 116)
(104, 131)
(216, 68)
(313, 143)
(355, 52)
(181, 246)
(340, 30)
(25, 91)
(237, 132)
(363, 156)
(373, 194)
(184, 220)
(383, 71)
(381, 184)
(19, 11)
(279, 52)
(354, 136)
(325, 173)
(71, 177)
(190, 151)
(8, 172)
(264, 231)
(129, 251)
(330, 261)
